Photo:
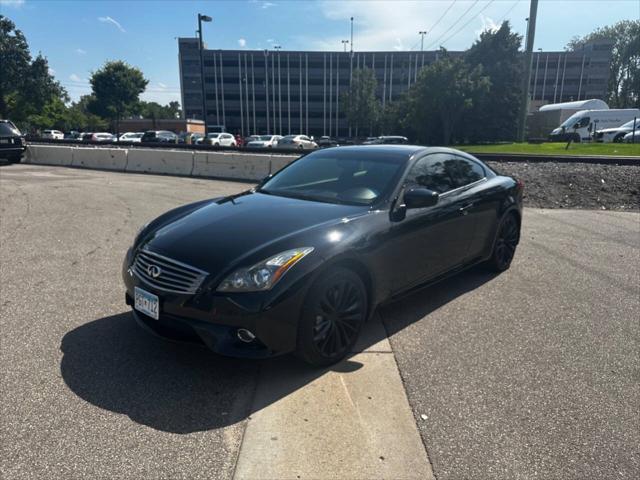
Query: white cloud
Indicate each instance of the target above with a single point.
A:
(242, 42)
(162, 85)
(113, 22)
(75, 78)
(487, 24)
(12, 3)
(386, 26)
(52, 71)
(268, 5)
(80, 51)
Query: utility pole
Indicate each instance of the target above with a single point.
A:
(351, 36)
(344, 44)
(422, 33)
(528, 57)
(202, 18)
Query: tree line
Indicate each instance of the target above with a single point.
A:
(474, 97)
(33, 99)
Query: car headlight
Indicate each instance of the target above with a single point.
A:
(263, 275)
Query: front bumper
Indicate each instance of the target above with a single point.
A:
(214, 319)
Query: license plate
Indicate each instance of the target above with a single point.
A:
(147, 303)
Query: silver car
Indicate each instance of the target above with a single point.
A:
(264, 141)
(297, 142)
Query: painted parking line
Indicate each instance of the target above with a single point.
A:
(352, 421)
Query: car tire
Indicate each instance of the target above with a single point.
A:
(216, 144)
(332, 316)
(505, 244)
(300, 147)
(619, 138)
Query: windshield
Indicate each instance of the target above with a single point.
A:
(629, 124)
(347, 177)
(265, 138)
(7, 128)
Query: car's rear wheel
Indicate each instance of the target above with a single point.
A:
(506, 242)
(619, 138)
(332, 316)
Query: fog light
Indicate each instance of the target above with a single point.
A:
(245, 335)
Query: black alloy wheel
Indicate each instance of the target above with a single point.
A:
(506, 243)
(333, 315)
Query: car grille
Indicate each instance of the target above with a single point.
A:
(171, 275)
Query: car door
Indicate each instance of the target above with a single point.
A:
(430, 241)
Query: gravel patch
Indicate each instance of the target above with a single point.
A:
(576, 185)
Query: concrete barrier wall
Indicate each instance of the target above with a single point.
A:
(49, 155)
(233, 165)
(101, 158)
(174, 162)
(278, 162)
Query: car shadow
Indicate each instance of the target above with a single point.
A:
(182, 388)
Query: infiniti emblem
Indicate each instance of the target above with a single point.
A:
(154, 271)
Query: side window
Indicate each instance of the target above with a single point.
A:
(583, 122)
(430, 172)
(463, 171)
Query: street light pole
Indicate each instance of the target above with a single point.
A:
(422, 33)
(351, 36)
(344, 43)
(202, 18)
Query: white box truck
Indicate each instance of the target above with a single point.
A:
(583, 124)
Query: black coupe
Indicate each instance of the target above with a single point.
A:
(298, 263)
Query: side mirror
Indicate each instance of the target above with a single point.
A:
(420, 198)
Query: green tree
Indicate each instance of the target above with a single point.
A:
(495, 115)
(156, 111)
(623, 89)
(445, 91)
(362, 108)
(116, 90)
(26, 85)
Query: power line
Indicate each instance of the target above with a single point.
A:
(453, 25)
(508, 11)
(442, 16)
(468, 22)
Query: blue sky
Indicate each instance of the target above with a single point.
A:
(79, 36)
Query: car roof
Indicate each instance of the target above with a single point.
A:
(400, 151)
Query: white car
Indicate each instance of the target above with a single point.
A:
(631, 138)
(298, 142)
(264, 141)
(53, 134)
(133, 137)
(616, 134)
(102, 137)
(221, 140)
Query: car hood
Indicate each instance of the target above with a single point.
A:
(221, 233)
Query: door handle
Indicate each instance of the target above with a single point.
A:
(465, 210)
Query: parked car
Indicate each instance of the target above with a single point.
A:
(87, 137)
(221, 140)
(264, 141)
(298, 142)
(102, 137)
(159, 136)
(73, 135)
(325, 142)
(354, 227)
(12, 143)
(190, 138)
(616, 134)
(134, 137)
(387, 140)
(580, 126)
(53, 134)
(251, 138)
(631, 137)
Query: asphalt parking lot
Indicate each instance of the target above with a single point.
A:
(531, 374)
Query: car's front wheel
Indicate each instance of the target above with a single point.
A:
(505, 244)
(332, 316)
